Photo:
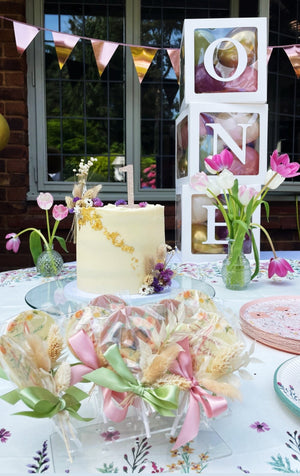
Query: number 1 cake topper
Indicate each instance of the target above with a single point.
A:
(130, 190)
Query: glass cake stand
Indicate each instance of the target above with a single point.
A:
(62, 297)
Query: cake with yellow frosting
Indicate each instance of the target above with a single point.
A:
(117, 247)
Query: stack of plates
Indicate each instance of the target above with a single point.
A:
(274, 321)
(287, 383)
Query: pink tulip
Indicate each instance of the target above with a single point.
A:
(279, 266)
(199, 182)
(282, 165)
(60, 212)
(218, 162)
(245, 194)
(45, 201)
(13, 243)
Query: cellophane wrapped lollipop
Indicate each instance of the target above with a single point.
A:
(32, 356)
(136, 354)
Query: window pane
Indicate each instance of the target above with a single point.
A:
(283, 85)
(161, 26)
(85, 112)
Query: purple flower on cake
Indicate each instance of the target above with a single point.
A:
(160, 277)
(59, 212)
(120, 202)
(143, 204)
(97, 202)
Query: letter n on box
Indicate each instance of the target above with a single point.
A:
(206, 129)
(224, 60)
(200, 229)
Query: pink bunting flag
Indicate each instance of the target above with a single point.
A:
(174, 55)
(269, 52)
(103, 51)
(142, 58)
(293, 53)
(64, 45)
(24, 34)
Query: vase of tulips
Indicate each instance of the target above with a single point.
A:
(48, 261)
(237, 203)
(235, 276)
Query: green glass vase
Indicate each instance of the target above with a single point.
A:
(236, 276)
(49, 263)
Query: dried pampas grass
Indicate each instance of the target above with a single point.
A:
(161, 363)
(62, 377)
(55, 343)
(92, 192)
(37, 351)
(220, 388)
(173, 379)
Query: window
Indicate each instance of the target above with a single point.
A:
(73, 113)
(283, 85)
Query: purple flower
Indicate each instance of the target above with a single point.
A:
(97, 202)
(75, 199)
(110, 435)
(165, 276)
(156, 285)
(143, 204)
(40, 466)
(260, 427)
(159, 266)
(120, 202)
(4, 435)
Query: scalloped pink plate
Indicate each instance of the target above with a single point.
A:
(274, 321)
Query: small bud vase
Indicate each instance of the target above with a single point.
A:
(49, 263)
(238, 275)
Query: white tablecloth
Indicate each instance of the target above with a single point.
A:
(261, 432)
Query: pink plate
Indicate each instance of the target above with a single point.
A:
(274, 321)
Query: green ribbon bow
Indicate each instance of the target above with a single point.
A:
(163, 399)
(44, 404)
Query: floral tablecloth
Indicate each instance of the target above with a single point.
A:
(260, 433)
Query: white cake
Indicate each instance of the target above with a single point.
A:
(115, 245)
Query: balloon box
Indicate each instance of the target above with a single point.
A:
(223, 60)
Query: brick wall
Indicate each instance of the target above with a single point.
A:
(15, 212)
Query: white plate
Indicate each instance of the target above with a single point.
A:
(287, 383)
(72, 292)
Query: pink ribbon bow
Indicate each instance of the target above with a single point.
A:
(84, 349)
(212, 405)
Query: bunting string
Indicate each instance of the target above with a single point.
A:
(142, 56)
